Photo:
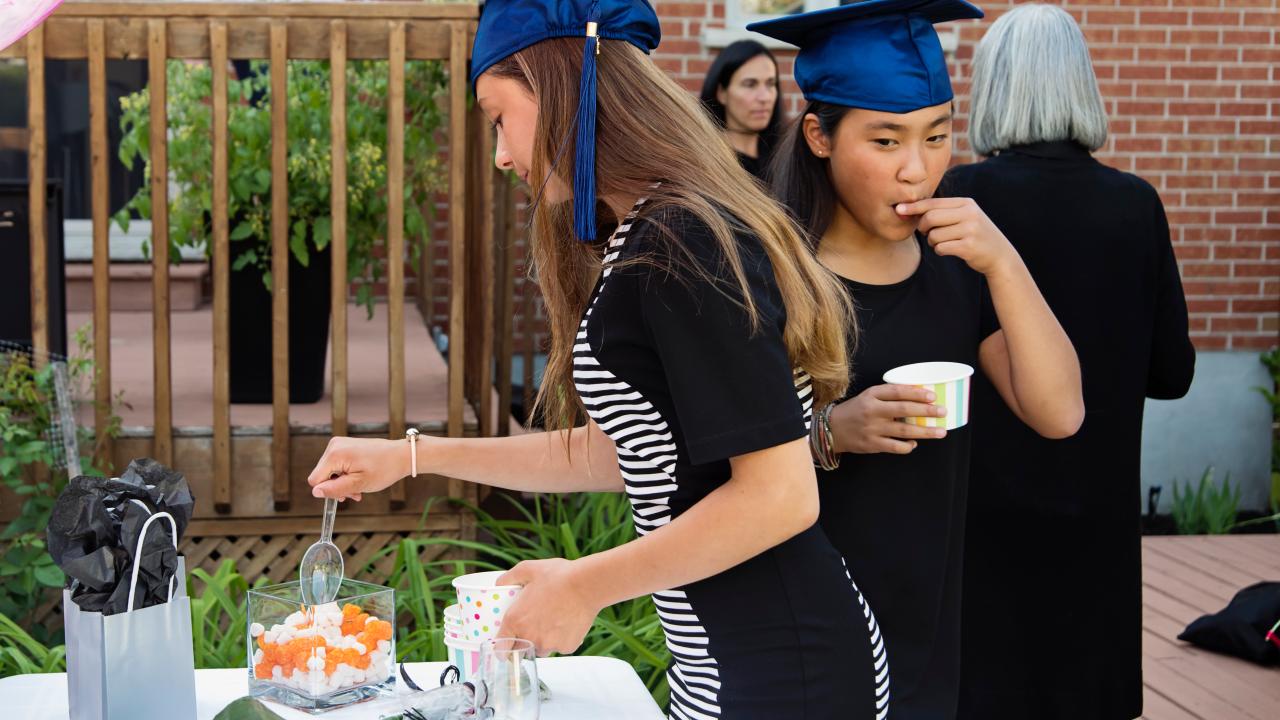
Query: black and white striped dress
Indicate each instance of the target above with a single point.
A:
(669, 367)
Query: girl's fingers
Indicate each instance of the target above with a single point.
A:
(921, 207)
(943, 218)
(339, 487)
(897, 447)
(948, 233)
(890, 391)
(908, 431)
(894, 410)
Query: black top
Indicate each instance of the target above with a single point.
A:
(754, 165)
(668, 365)
(1052, 604)
(899, 519)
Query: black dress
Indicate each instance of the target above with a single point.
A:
(668, 366)
(899, 519)
(1052, 586)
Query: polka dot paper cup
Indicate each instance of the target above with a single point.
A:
(483, 604)
(453, 622)
(949, 381)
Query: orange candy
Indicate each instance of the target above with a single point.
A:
(353, 625)
(296, 653)
(379, 630)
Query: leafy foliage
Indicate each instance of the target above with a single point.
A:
(1206, 509)
(190, 114)
(29, 468)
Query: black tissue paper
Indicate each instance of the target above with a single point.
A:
(94, 530)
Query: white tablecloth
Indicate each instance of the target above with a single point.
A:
(582, 688)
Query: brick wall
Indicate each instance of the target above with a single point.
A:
(1193, 93)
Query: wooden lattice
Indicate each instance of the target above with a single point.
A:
(276, 555)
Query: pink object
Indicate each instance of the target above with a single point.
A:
(18, 17)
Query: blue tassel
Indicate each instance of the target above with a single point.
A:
(584, 170)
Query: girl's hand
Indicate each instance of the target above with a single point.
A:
(553, 610)
(868, 422)
(957, 226)
(353, 466)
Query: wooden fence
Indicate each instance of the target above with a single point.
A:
(481, 259)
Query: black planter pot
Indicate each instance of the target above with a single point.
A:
(250, 330)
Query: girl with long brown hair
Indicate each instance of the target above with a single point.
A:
(688, 348)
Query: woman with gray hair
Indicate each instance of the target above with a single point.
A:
(1051, 611)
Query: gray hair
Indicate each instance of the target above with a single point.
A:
(1033, 82)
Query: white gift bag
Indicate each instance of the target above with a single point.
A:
(134, 665)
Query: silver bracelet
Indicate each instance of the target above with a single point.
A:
(821, 442)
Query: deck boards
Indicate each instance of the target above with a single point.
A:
(1184, 578)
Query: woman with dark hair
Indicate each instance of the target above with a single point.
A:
(934, 280)
(741, 92)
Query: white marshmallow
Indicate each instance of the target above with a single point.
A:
(270, 636)
(384, 646)
(256, 629)
(360, 649)
(257, 657)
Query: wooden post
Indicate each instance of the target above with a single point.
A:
(280, 264)
(37, 193)
(98, 154)
(457, 230)
(338, 214)
(457, 248)
(221, 275)
(157, 61)
(395, 244)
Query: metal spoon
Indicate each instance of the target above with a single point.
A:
(321, 572)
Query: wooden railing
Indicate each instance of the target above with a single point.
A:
(480, 281)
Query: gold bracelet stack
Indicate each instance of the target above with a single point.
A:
(821, 443)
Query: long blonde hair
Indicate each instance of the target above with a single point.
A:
(650, 129)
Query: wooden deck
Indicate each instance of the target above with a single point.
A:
(1184, 578)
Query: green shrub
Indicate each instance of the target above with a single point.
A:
(1206, 509)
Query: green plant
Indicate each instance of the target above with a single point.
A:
(218, 613)
(21, 654)
(249, 161)
(1206, 510)
(568, 526)
(30, 468)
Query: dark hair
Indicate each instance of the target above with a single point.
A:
(730, 59)
(800, 180)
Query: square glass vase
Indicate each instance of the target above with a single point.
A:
(317, 658)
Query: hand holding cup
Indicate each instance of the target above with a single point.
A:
(868, 422)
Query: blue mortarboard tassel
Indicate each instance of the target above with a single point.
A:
(584, 170)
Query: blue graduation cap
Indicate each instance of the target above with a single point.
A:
(876, 55)
(509, 26)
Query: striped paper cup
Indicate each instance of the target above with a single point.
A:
(465, 656)
(949, 381)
